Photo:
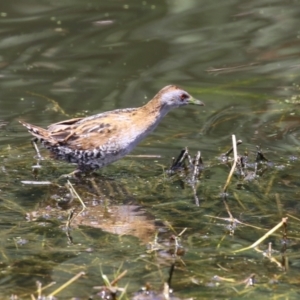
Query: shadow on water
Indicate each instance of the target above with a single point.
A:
(65, 59)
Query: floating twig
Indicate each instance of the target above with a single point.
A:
(239, 142)
(56, 106)
(144, 156)
(33, 182)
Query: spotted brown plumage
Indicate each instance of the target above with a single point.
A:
(98, 140)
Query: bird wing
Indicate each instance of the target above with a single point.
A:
(63, 123)
(91, 132)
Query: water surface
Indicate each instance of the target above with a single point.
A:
(64, 59)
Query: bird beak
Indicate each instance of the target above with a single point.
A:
(195, 101)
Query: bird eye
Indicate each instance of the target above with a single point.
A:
(183, 97)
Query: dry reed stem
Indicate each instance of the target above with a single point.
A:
(76, 194)
(234, 163)
(66, 284)
(284, 220)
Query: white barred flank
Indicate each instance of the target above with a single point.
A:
(86, 159)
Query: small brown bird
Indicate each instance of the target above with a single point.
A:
(96, 141)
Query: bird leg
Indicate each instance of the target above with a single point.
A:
(35, 147)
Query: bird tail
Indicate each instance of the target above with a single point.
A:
(40, 133)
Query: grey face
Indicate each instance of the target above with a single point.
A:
(178, 98)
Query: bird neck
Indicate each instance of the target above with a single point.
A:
(156, 109)
(151, 114)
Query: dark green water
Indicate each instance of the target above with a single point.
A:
(60, 59)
